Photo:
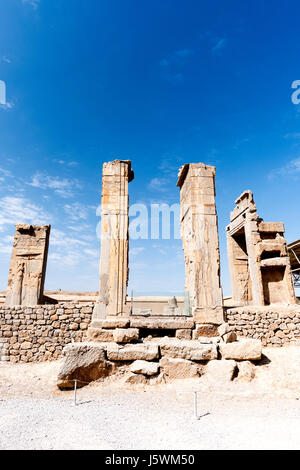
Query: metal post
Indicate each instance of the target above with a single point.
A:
(196, 405)
(75, 390)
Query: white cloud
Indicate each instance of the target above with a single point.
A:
(33, 3)
(135, 251)
(5, 173)
(64, 162)
(158, 184)
(292, 168)
(62, 187)
(220, 44)
(76, 211)
(7, 105)
(15, 210)
(5, 59)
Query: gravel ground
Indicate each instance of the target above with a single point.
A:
(147, 420)
(263, 414)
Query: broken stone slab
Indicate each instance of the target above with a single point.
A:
(178, 368)
(242, 350)
(246, 371)
(83, 361)
(132, 352)
(229, 337)
(125, 335)
(162, 323)
(205, 329)
(190, 350)
(117, 322)
(144, 367)
(223, 329)
(221, 370)
(99, 334)
(136, 379)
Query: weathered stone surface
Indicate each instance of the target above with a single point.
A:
(178, 368)
(242, 350)
(125, 335)
(183, 334)
(199, 228)
(162, 323)
(223, 329)
(144, 367)
(205, 329)
(136, 379)
(28, 265)
(114, 240)
(221, 370)
(99, 334)
(246, 371)
(132, 352)
(116, 322)
(82, 361)
(229, 337)
(259, 264)
(191, 350)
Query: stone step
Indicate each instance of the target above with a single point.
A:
(162, 323)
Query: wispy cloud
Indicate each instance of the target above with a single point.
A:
(33, 3)
(66, 163)
(219, 44)
(136, 251)
(292, 168)
(292, 135)
(63, 187)
(76, 211)
(18, 209)
(171, 66)
(8, 105)
(70, 251)
(158, 184)
(5, 59)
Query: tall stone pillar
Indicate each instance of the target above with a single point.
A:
(28, 265)
(114, 240)
(199, 229)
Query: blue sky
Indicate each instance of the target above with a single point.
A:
(160, 83)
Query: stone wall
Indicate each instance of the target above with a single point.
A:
(275, 326)
(40, 333)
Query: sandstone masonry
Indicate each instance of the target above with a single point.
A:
(40, 333)
(273, 326)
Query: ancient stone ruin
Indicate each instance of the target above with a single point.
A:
(28, 265)
(258, 259)
(156, 339)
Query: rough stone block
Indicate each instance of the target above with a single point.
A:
(84, 362)
(132, 352)
(125, 335)
(99, 334)
(246, 371)
(190, 350)
(136, 379)
(242, 350)
(205, 329)
(144, 367)
(178, 368)
(183, 334)
(221, 370)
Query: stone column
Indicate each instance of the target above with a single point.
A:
(114, 240)
(199, 229)
(28, 265)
